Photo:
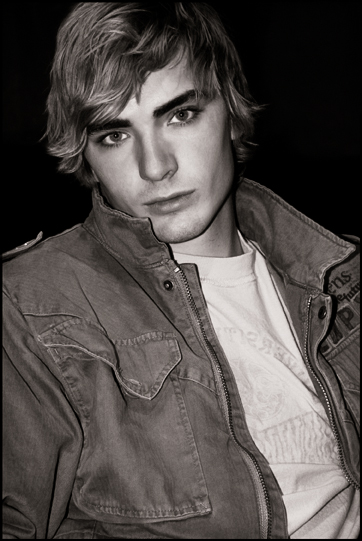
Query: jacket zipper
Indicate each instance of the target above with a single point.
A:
(329, 407)
(261, 489)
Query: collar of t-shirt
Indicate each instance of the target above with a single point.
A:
(223, 271)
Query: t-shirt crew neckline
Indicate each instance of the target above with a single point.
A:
(224, 271)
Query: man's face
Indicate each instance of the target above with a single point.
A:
(170, 162)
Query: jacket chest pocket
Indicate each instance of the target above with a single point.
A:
(139, 461)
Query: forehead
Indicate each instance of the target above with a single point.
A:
(160, 87)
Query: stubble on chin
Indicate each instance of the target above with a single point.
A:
(179, 233)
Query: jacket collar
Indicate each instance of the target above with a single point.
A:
(293, 243)
(131, 240)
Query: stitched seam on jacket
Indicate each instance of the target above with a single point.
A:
(199, 383)
(352, 337)
(294, 212)
(114, 254)
(86, 531)
(145, 514)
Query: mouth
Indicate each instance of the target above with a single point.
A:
(170, 203)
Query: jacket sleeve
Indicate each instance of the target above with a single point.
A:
(41, 434)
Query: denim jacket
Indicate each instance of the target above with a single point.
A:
(122, 418)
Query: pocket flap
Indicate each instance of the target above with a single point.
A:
(146, 360)
(141, 364)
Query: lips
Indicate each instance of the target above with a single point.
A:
(168, 198)
(170, 203)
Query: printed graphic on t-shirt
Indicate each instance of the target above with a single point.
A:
(283, 413)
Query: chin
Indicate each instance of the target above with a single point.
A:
(180, 234)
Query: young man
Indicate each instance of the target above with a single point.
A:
(184, 364)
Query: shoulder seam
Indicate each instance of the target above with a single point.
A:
(23, 248)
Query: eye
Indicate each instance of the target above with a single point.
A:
(184, 116)
(113, 139)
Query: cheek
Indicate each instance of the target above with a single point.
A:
(212, 154)
(112, 172)
(114, 178)
(213, 144)
(103, 163)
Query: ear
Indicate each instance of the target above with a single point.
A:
(233, 131)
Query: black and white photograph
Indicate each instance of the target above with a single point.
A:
(181, 276)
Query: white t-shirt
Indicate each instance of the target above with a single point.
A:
(284, 415)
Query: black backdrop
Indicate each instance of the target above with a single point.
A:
(302, 58)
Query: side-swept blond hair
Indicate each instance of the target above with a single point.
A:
(106, 50)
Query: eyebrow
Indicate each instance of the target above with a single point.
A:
(175, 102)
(118, 123)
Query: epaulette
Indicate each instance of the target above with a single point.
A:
(22, 248)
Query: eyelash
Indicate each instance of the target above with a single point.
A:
(195, 110)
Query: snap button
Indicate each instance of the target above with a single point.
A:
(167, 284)
(322, 312)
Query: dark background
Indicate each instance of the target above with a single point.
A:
(302, 58)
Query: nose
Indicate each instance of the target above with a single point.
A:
(156, 160)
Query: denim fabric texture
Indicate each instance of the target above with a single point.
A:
(115, 419)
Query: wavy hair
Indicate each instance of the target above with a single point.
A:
(106, 50)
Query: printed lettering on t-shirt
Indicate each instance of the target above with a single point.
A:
(261, 342)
